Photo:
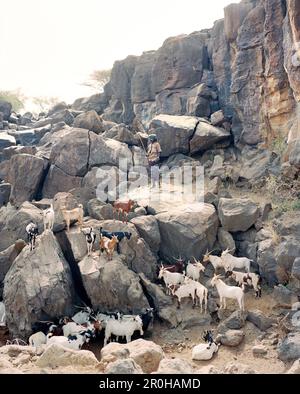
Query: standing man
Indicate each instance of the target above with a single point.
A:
(153, 155)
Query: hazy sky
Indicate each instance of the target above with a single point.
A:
(48, 47)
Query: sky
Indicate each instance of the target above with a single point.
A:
(49, 47)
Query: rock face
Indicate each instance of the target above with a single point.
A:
(148, 229)
(174, 366)
(231, 337)
(237, 214)
(188, 230)
(259, 319)
(111, 286)
(25, 175)
(46, 290)
(5, 109)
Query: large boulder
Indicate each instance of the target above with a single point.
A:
(259, 319)
(174, 366)
(226, 240)
(13, 223)
(96, 102)
(237, 214)
(5, 109)
(206, 136)
(89, 120)
(7, 257)
(111, 286)
(58, 181)
(123, 367)
(46, 290)
(289, 348)
(122, 134)
(294, 158)
(25, 174)
(146, 354)
(70, 153)
(100, 210)
(187, 230)
(174, 132)
(231, 337)
(56, 356)
(148, 229)
(6, 140)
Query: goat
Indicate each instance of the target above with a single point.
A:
(226, 291)
(250, 279)
(48, 217)
(72, 328)
(203, 352)
(108, 245)
(83, 316)
(179, 266)
(123, 207)
(73, 214)
(230, 262)
(123, 328)
(43, 326)
(215, 261)
(32, 231)
(38, 339)
(183, 291)
(170, 278)
(201, 292)
(90, 237)
(193, 270)
(119, 234)
(2, 315)
(73, 342)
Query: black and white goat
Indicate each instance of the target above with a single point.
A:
(32, 232)
(90, 237)
(119, 234)
(204, 352)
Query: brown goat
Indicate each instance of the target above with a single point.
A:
(108, 245)
(124, 208)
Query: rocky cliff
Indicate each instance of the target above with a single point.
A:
(247, 65)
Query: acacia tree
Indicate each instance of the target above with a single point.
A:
(15, 97)
(98, 79)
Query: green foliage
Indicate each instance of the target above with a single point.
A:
(15, 97)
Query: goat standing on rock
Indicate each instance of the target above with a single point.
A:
(75, 214)
(226, 291)
(230, 262)
(108, 245)
(90, 237)
(48, 216)
(32, 232)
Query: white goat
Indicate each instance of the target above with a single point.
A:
(122, 328)
(2, 315)
(48, 217)
(215, 261)
(226, 291)
(82, 317)
(72, 328)
(38, 339)
(193, 270)
(249, 278)
(73, 342)
(201, 292)
(70, 215)
(230, 262)
(170, 278)
(203, 351)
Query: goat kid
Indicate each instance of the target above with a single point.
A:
(108, 245)
(32, 232)
(119, 234)
(226, 291)
(48, 218)
(249, 278)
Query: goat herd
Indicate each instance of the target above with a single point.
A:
(109, 241)
(182, 279)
